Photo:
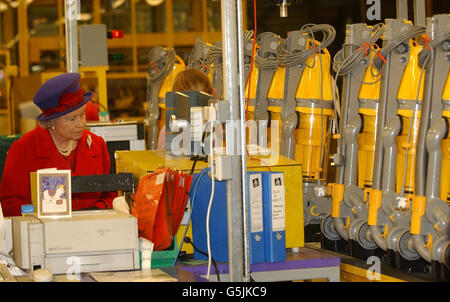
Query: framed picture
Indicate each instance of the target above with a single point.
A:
(54, 194)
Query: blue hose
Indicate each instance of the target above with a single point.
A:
(191, 200)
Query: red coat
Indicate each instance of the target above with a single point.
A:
(36, 150)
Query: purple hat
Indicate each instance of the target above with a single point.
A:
(60, 95)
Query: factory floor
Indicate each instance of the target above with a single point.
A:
(357, 270)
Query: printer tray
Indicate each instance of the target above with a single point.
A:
(71, 264)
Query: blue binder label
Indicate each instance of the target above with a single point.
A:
(278, 203)
(256, 209)
(274, 216)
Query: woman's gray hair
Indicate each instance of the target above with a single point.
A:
(47, 124)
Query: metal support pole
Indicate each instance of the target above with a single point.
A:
(420, 15)
(236, 187)
(402, 9)
(72, 9)
(243, 138)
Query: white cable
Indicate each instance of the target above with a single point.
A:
(208, 239)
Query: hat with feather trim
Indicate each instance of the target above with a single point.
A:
(60, 95)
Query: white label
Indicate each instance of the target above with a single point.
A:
(278, 202)
(256, 208)
(196, 124)
(160, 179)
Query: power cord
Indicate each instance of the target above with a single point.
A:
(384, 52)
(195, 159)
(198, 58)
(192, 200)
(208, 212)
(343, 65)
(189, 241)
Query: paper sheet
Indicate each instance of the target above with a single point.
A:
(154, 275)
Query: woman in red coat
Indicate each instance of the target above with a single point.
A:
(60, 141)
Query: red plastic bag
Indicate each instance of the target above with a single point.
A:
(162, 231)
(183, 184)
(146, 201)
(159, 205)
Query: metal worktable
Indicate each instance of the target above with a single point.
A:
(305, 264)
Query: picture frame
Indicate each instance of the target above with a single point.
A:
(54, 194)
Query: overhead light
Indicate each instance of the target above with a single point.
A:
(154, 2)
(117, 4)
(14, 4)
(84, 17)
(3, 7)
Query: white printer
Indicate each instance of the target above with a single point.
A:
(101, 240)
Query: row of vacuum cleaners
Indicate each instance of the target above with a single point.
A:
(385, 133)
(390, 196)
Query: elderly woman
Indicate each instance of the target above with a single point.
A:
(59, 141)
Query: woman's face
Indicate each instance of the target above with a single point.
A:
(71, 125)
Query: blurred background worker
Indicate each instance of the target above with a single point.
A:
(188, 80)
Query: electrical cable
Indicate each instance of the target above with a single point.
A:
(191, 201)
(427, 51)
(214, 56)
(198, 57)
(344, 65)
(287, 59)
(269, 62)
(188, 240)
(381, 54)
(208, 212)
(99, 104)
(161, 66)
